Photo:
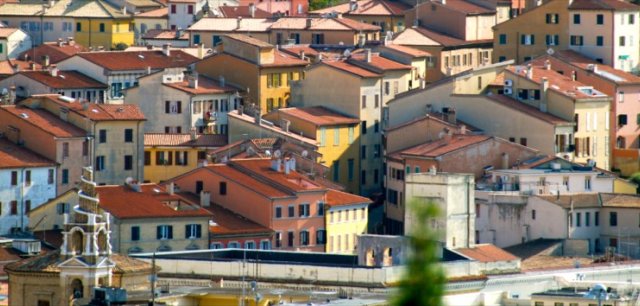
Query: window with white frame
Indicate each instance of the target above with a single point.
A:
(265, 245)
(250, 245)
(216, 246)
(303, 210)
(304, 237)
(321, 236)
(164, 232)
(320, 209)
(233, 245)
(193, 231)
(278, 239)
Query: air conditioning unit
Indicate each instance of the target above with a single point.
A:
(508, 83)
(508, 91)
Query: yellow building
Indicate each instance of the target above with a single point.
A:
(169, 155)
(336, 136)
(93, 23)
(257, 67)
(346, 218)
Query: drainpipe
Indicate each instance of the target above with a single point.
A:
(138, 153)
(468, 213)
(21, 208)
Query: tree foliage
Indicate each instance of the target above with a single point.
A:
(424, 282)
(320, 4)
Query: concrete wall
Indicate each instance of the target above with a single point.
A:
(575, 247)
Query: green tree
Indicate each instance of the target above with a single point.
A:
(424, 282)
(320, 4)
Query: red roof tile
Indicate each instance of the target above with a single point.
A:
(157, 13)
(463, 6)
(64, 80)
(282, 59)
(319, 115)
(407, 50)
(56, 52)
(139, 60)
(322, 24)
(184, 140)
(339, 198)
(43, 120)
(100, 112)
(367, 8)
(378, 63)
(125, 203)
(242, 11)
(487, 253)
(351, 68)
(293, 181)
(12, 66)
(609, 5)
(164, 35)
(527, 109)
(205, 86)
(247, 181)
(442, 146)
(14, 156)
(250, 40)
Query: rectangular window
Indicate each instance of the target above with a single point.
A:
(503, 39)
(376, 101)
(290, 237)
(50, 177)
(621, 41)
(278, 239)
(102, 27)
(364, 101)
(147, 158)
(323, 137)
(599, 40)
(27, 178)
(321, 236)
(576, 40)
(576, 18)
(376, 150)
(14, 208)
(62, 208)
(363, 152)
(596, 218)
(587, 219)
(223, 188)
(336, 170)
(320, 208)
(102, 136)
(173, 9)
(65, 176)
(527, 39)
(363, 177)
(190, 9)
(65, 149)
(128, 162)
(336, 136)
(291, 212)
(376, 126)
(78, 27)
(99, 163)
(351, 132)
(14, 178)
(350, 169)
(304, 237)
(164, 232)
(303, 210)
(27, 206)
(613, 218)
(363, 127)
(599, 19)
(278, 212)
(192, 231)
(135, 233)
(578, 219)
(128, 135)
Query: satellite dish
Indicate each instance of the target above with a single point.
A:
(277, 153)
(305, 153)
(346, 53)
(267, 153)
(250, 151)
(550, 51)
(128, 180)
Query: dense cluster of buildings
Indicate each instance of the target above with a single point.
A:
(142, 126)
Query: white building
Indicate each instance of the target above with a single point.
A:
(184, 13)
(174, 103)
(13, 41)
(454, 196)
(27, 180)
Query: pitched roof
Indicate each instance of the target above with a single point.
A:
(247, 181)
(45, 121)
(319, 115)
(406, 50)
(620, 200)
(11, 66)
(463, 6)
(250, 40)
(415, 36)
(66, 8)
(293, 181)
(338, 198)
(247, 25)
(580, 61)
(442, 146)
(6, 32)
(378, 63)
(165, 35)
(350, 68)
(322, 24)
(367, 8)
(580, 200)
(487, 252)
(99, 112)
(608, 5)
(162, 12)
(527, 109)
(48, 263)
(151, 202)
(64, 80)
(138, 60)
(206, 86)
(184, 140)
(242, 11)
(275, 128)
(56, 52)
(14, 156)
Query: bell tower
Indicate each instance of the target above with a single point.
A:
(86, 244)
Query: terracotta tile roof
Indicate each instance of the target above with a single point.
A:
(43, 120)
(442, 146)
(65, 8)
(462, 6)
(56, 52)
(407, 50)
(322, 24)
(339, 198)
(184, 140)
(48, 263)
(242, 11)
(295, 50)
(165, 35)
(138, 60)
(9, 254)
(11, 66)
(264, 143)
(262, 167)
(100, 112)
(580, 61)
(581, 200)
(282, 59)
(562, 84)
(53, 238)
(125, 203)
(275, 128)
(367, 8)
(247, 181)
(487, 252)
(65, 79)
(609, 5)
(620, 200)
(319, 115)
(6, 32)
(205, 86)
(351, 68)
(250, 40)
(157, 13)
(440, 117)
(527, 109)
(378, 63)
(229, 25)
(14, 156)
(416, 37)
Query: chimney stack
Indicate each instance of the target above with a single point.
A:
(547, 64)
(368, 55)
(70, 41)
(32, 65)
(149, 47)
(529, 71)
(252, 10)
(171, 188)
(193, 133)
(205, 198)
(193, 80)
(302, 55)
(309, 23)
(574, 76)
(201, 52)
(60, 42)
(45, 61)
(166, 49)
(544, 86)
(239, 21)
(54, 72)
(451, 116)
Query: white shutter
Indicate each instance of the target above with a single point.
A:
(595, 121)
(606, 121)
(588, 121)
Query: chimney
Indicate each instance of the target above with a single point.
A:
(574, 76)
(595, 68)
(149, 47)
(45, 60)
(302, 55)
(451, 115)
(171, 188)
(284, 124)
(54, 72)
(505, 160)
(166, 49)
(529, 71)
(60, 42)
(134, 185)
(148, 70)
(205, 198)
(368, 55)
(239, 21)
(444, 2)
(287, 166)
(193, 133)
(32, 66)
(252, 10)
(308, 23)
(222, 81)
(25, 57)
(547, 64)
(201, 52)
(193, 80)
(124, 10)
(240, 110)
(544, 86)
(353, 5)
(70, 41)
